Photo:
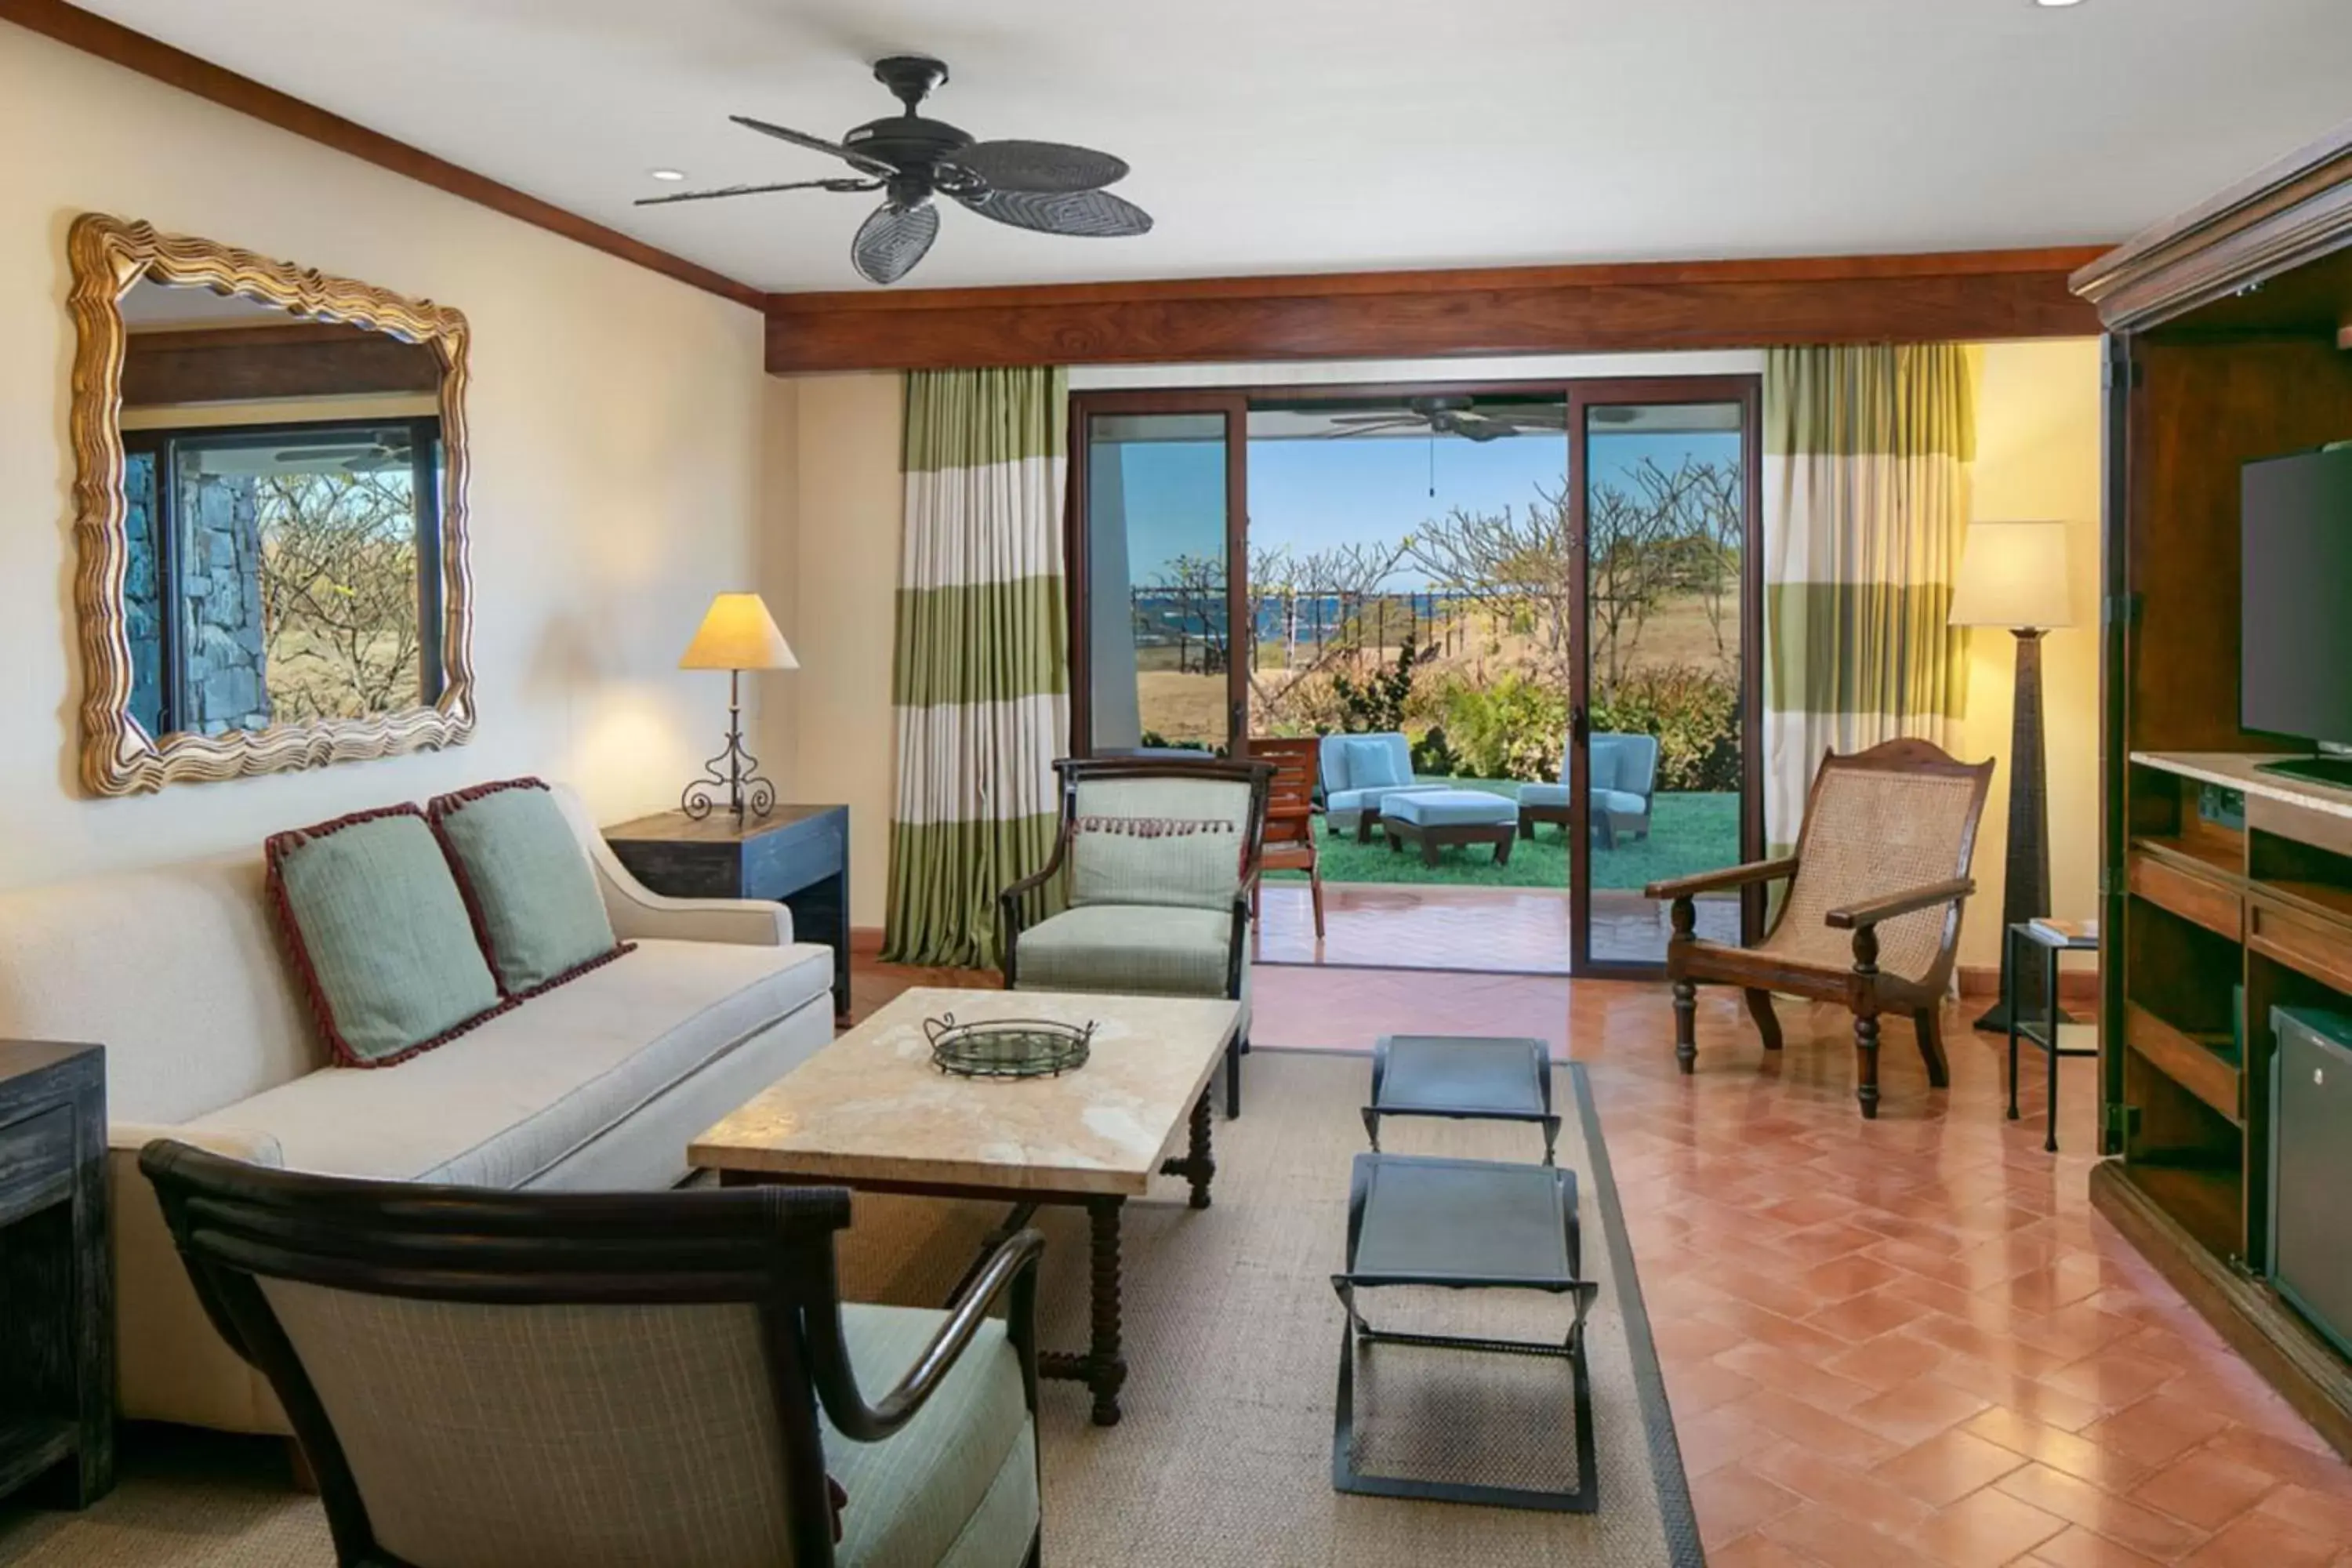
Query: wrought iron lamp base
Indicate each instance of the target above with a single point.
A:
(732, 777)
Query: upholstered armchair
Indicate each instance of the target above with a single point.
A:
(1872, 918)
(587, 1379)
(1356, 772)
(1623, 776)
(1155, 861)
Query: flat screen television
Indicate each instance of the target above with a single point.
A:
(2296, 622)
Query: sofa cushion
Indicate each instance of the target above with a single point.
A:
(913, 1496)
(1372, 763)
(1451, 809)
(1370, 799)
(509, 1100)
(1620, 803)
(380, 935)
(1154, 950)
(528, 884)
(1543, 794)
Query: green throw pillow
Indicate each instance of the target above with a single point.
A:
(528, 882)
(380, 935)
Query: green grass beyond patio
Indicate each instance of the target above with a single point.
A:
(1687, 833)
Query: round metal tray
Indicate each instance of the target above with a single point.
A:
(1008, 1048)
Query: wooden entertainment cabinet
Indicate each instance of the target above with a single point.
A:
(2230, 338)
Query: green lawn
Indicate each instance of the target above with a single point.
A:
(1687, 833)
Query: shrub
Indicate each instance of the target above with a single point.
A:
(1378, 703)
(1512, 729)
(1695, 714)
(1433, 756)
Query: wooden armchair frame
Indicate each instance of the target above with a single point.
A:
(770, 1248)
(1014, 904)
(1862, 988)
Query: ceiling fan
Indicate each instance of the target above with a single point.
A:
(1049, 186)
(1455, 415)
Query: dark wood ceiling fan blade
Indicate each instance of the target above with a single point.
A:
(1380, 427)
(1087, 214)
(815, 144)
(1043, 168)
(1477, 428)
(892, 239)
(759, 190)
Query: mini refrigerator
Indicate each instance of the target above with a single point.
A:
(2311, 1168)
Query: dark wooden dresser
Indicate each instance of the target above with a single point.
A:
(797, 855)
(56, 1282)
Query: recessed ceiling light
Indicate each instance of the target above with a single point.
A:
(680, 173)
(2056, 5)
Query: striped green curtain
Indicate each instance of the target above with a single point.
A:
(1866, 458)
(981, 676)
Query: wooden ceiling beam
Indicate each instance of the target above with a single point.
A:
(1968, 296)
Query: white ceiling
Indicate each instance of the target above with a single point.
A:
(1309, 135)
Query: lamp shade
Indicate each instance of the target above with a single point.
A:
(2013, 574)
(738, 634)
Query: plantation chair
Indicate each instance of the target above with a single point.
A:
(1157, 860)
(1884, 855)
(1289, 842)
(592, 1379)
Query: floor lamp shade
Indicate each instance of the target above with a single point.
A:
(2015, 575)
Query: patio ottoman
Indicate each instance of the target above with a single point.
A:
(1435, 819)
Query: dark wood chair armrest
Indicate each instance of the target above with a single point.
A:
(1714, 881)
(1014, 1265)
(1859, 917)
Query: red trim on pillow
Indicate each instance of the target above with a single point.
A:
(442, 806)
(274, 849)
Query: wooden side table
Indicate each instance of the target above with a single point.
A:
(57, 1278)
(2040, 1021)
(797, 855)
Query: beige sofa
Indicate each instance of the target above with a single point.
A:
(598, 1084)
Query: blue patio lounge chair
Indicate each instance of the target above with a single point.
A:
(1359, 772)
(1625, 782)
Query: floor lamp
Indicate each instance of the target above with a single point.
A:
(2013, 574)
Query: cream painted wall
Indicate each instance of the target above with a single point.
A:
(2038, 456)
(833, 565)
(616, 428)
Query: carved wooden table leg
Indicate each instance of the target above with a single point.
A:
(1102, 1369)
(1197, 1166)
(1685, 914)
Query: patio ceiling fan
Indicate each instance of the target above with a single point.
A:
(1049, 186)
(1455, 415)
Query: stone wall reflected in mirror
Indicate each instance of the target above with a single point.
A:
(282, 484)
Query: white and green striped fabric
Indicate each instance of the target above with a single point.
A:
(1866, 458)
(981, 676)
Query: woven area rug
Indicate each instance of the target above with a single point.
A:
(1232, 1344)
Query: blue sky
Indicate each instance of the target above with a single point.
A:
(1310, 495)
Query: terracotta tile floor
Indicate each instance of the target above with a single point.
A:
(1902, 1341)
(1426, 926)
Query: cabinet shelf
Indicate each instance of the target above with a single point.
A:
(2209, 850)
(2203, 1062)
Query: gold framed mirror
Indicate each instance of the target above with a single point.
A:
(269, 513)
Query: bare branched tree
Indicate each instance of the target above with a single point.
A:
(339, 593)
(1328, 590)
(1519, 567)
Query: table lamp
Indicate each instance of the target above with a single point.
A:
(737, 635)
(2013, 574)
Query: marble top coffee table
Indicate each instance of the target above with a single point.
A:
(870, 1112)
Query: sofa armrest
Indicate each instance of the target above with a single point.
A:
(230, 1142)
(636, 910)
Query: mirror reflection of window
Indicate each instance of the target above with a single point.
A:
(282, 482)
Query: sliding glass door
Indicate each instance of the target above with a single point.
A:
(1664, 767)
(1548, 589)
(1156, 555)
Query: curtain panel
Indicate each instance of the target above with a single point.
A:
(1867, 453)
(981, 679)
